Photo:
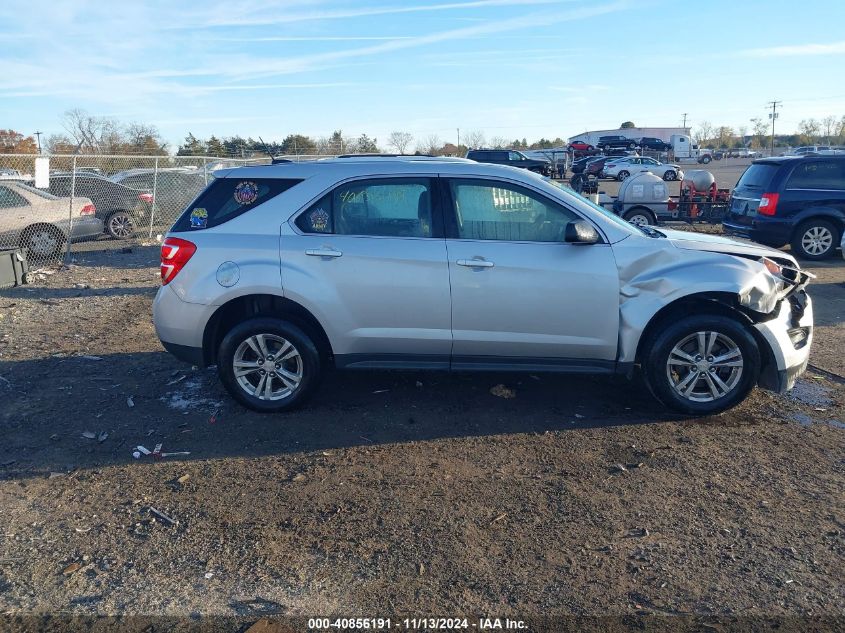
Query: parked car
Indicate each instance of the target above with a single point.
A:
(742, 152)
(512, 158)
(580, 146)
(817, 150)
(121, 208)
(621, 168)
(611, 141)
(173, 188)
(596, 166)
(791, 200)
(580, 165)
(41, 222)
(277, 272)
(657, 144)
(7, 173)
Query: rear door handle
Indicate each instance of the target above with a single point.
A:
(316, 252)
(475, 263)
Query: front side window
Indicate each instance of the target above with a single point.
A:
(487, 210)
(818, 175)
(515, 156)
(396, 207)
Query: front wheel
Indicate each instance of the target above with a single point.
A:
(268, 365)
(702, 365)
(815, 239)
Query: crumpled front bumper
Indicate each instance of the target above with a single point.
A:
(789, 361)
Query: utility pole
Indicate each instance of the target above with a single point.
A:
(459, 138)
(774, 115)
(38, 136)
(685, 121)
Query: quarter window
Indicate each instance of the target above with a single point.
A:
(10, 199)
(501, 211)
(397, 207)
(818, 175)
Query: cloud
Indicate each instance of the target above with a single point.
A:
(798, 50)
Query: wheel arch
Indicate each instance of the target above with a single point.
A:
(818, 213)
(641, 209)
(261, 305)
(715, 303)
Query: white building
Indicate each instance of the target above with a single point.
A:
(663, 133)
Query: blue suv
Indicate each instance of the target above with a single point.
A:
(791, 200)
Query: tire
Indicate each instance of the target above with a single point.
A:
(815, 239)
(245, 344)
(120, 225)
(639, 217)
(622, 175)
(632, 145)
(576, 181)
(705, 160)
(681, 342)
(42, 241)
(670, 175)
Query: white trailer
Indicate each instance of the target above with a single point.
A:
(685, 151)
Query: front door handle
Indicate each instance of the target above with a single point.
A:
(318, 252)
(475, 263)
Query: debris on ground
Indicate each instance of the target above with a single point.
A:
(130, 402)
(72, 568)
(89, 435)
(161, 516)
(500, 391)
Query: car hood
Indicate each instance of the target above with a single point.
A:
(718, 244)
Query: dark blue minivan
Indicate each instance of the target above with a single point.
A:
(791, 200)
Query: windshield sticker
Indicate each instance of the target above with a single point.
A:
(199, 218)
(319, 219)
(246, 192)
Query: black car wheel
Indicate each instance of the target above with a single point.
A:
(815, 239)
(670, 175)
(268, 364)
(120, 225)
(42, 241)
(622, 175)
(702, 365)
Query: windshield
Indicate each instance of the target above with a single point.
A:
(37, 192)
(757, 176)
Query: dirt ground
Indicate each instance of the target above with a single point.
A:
(398, 494)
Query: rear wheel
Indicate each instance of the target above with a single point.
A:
(268, 364)
(670, 175)
(815, 239)
(42, 241)
(622, 175)
(632, 145)
(120, 225)
(702, 365)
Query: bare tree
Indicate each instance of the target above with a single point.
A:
(742, 130)
(474, 138)
(761, 129)
(829, 126)
(498, 142)
(704, 132)
(809, 129)
(400, 141)
(430, 145)
(725, 136)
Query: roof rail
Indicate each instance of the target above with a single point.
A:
(374, 155)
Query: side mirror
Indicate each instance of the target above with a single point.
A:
(580, 232)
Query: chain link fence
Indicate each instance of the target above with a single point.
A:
(56, 205)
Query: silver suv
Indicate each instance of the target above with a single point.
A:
(275, 272)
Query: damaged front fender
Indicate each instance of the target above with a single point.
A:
(650, 279)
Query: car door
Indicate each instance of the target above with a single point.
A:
(368, 259)
(520, 294)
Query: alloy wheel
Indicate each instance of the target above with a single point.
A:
(268, 367)
(704, 366)
(43, 242)
(121, 225)
(817, 240)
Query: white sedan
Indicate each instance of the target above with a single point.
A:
(622, 167)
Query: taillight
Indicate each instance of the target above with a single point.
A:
(768, 204)
(88, 209)
(175, 253)
(672, 205)
(146, 197)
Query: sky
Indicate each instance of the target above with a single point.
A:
(507, 68)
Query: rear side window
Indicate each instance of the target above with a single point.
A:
(757, 176)
(395, 207)
(818, 175)
(227, 198)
